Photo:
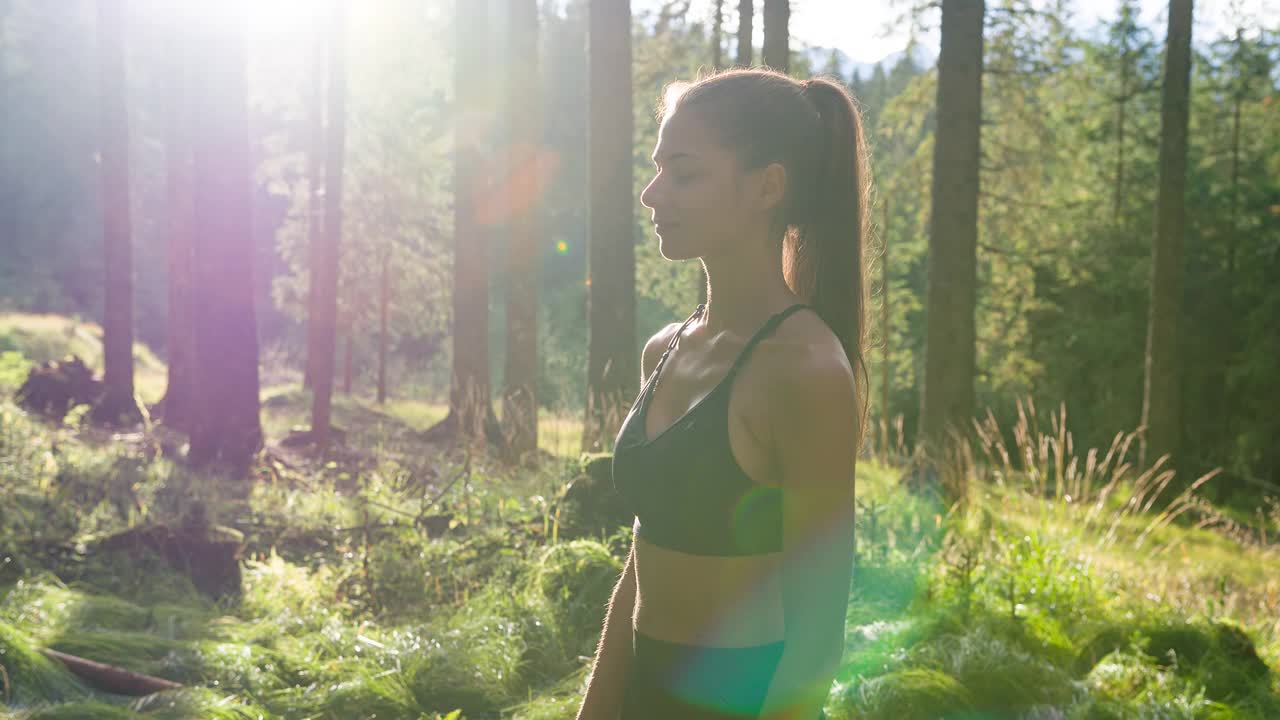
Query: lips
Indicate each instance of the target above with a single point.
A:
(661, 226)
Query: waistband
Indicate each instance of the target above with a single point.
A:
(695, 681)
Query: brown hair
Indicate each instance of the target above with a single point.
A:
(814, 130)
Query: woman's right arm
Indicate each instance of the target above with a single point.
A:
(607, 682)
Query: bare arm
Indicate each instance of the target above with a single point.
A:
(605, 686)
(607, 682)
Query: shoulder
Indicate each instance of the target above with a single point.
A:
(811, 388)
(655, 346)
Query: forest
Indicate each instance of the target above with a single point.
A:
(319, 318)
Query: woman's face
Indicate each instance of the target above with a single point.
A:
(697, 195)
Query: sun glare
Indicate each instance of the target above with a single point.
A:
(285, 17)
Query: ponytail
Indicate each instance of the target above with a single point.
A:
(823, 258)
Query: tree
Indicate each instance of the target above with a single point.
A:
(176, 406)
(717, 26)
(777, 52)
(8, 214)
(471, 418)
(745, 12)
(612, 362)
(521, 191)
(384, 299)
(315, 195)
(953, 228)
(327, 262)
(832, 67)
(226, 430)
(1161, 401)
(1130, 46)
(117, 403)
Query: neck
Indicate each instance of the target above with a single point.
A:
(744, 289)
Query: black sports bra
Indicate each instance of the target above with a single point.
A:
(685, 487)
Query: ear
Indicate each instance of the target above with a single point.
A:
(773, 186)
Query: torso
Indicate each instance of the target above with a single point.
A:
(718, 600)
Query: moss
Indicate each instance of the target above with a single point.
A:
(1183, 645)
(1220, 656)
(992, 662)
(912, 694)
(1103, 643)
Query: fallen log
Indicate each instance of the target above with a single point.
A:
(111, 678)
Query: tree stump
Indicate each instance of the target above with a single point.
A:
(54, 387)
(208, 554)
(590, 503)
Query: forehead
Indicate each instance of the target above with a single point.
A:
(684, 133)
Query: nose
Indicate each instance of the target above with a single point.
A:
(649, 197)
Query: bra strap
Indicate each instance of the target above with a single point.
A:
(653, 376)
(769, 326)
(675, 338)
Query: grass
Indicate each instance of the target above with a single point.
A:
(1052, 591)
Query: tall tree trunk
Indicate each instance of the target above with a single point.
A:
(612, 356)
(349, 358)
(470, 411)
(384, 299)
(226, 428)
(117, 404)
(315, 205)
(884, 332)
(1237, 100)
(176, 406)
(717, 35)
(8, 207)
(745, 13)
(1161, 402)
(777, 32)
(1121, 103)
(520, 397)
(953, 229)
(327, 286)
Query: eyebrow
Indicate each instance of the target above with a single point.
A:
(674, 157)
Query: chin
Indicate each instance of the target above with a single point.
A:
(677, 252)
(672, 249)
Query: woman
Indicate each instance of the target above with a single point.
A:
(732, 602)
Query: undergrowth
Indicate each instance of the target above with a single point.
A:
(1056, 589)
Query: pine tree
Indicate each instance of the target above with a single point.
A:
(948, 399)
(612, 364)
(1161, 403)
(117, 405)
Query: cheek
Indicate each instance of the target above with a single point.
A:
(714, 200)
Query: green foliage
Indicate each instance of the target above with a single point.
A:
(189, 702)
(912, 694)
(13, 369)
(576, 578)
(32, 677)
(84, 710)
(1003, 669)
(326, 627)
